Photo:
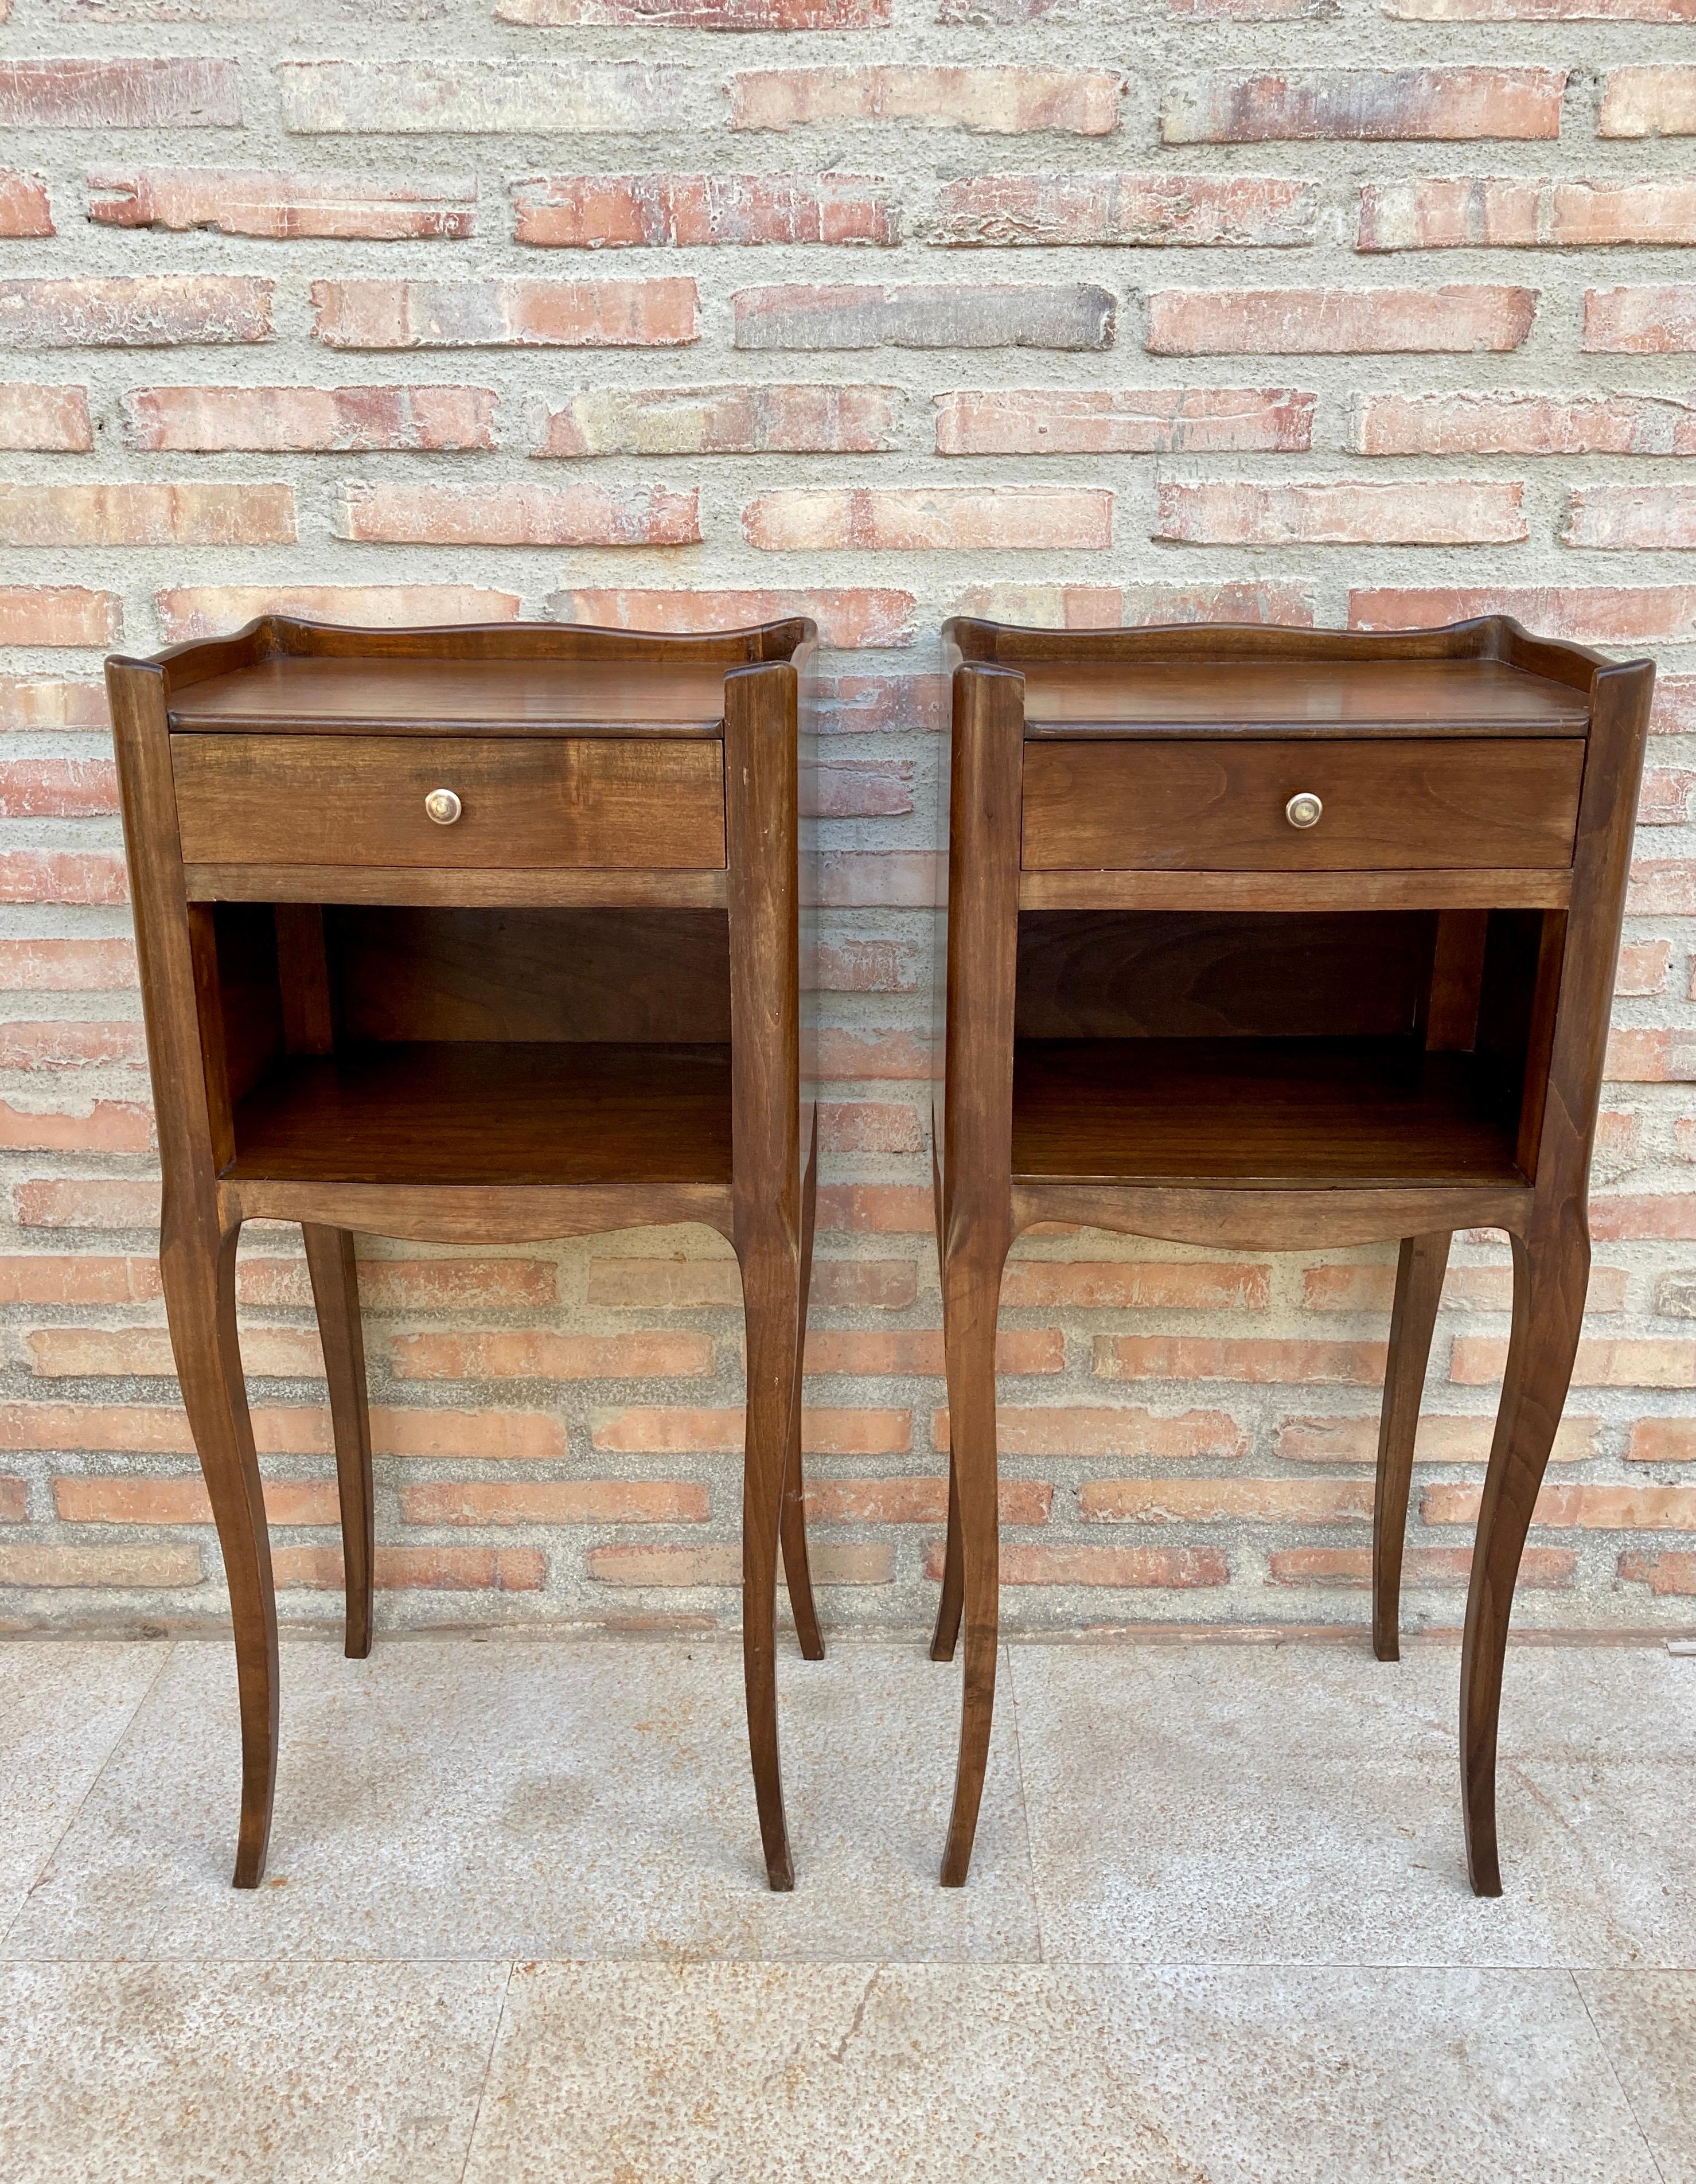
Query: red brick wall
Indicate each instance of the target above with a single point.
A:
(1120, 310)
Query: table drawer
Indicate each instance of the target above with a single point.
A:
(536, 801)
(1219, 804)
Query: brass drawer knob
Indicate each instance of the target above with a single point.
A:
(1304, 809)
(444, 807)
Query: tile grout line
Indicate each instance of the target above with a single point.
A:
(116, 1746)
(489, 2065)
(1025, 1804)
(1607, 2058)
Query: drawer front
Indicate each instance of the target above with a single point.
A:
(542, 801)
(1217, 804)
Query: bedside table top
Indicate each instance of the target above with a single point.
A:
(1161, 696)
(321, 694)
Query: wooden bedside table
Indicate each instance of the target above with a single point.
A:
(480, 935)
(1262, 939)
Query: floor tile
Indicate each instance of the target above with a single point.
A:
(1206, 1808)
(156, 2074)
(1036, 2075)
(558, 1799)
(1648, 2025)
(63, 1707)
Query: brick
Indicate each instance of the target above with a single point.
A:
(28, 703)
(147, 515)
(1671, 1214)
(688, 1285)
(882, 1209)
(97, 1126)
(674, 1430)
(1512, 424)
(700, 15)
(847, 617)
(1135, 606)
(1674, 1294)
(1587, 614)
(1017, 519)
(1073, 315)
(857, 789)
(847, 1562)
(1647, 320)
(868, 966)
(1246, 106)
(1588, 1508)
(45, 419)
(993, 101)
(308, 420)
(156, 1428)
(1540, 11)
(1662, 886)
(63, 1353)
(72, 1043)
(1179, 421)
(1646, 1057)
(518, 514)
(455, 1285)
(417, 1570)
(908, 879)
(1141, 211)
(774, 419)
(1604, 1362)
(127, 1568)
(1252, 1358)
(120, 94)
(1458, 320)
(24, 210)
(907, 1501)
(1135, 1285)
(86, 1202)
(285, 207)
(870, 1126)
(1245, 512)
(95, 1501)
(1662, 1440)
(1648, 101)
(46, 1277)
(461, 97)
(407, 315)
(58, 614)
(68, 876)
(1121, 1430)
(1631, 518)
(901, 1350)
(1226, 1500)
(1668, 1576)
(1541, 1569)
(601, 212)
(188, 611)
(501, 1436)
(1673, 712)
(1530, 211)
(1665, 798)
(860, 703)
(157, 310)
(1140, 1570)
(532, 1354)
(15, 1501)
(556, 1501)
(1643, 968)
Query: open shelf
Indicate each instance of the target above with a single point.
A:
(1297, 1113)
(491, 1111)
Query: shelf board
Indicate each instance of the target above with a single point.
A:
(1290, 1113)
(486, 1112)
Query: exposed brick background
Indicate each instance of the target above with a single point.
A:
(1083, 310)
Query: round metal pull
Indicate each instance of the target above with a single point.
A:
(1304, 809)
(444, 807)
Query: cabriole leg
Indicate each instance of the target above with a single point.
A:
(1419, 1289)
(771, 1292)
(330, 1262)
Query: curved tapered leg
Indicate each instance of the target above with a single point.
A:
(197, 1270)
(971, 1292)
(1551, 1272)
(792, 1525)
(771, 1293)
(330, 1262)
(946, 1635)
(1419, 1289)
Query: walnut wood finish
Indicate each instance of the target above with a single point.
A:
(578, 1008)
(1111, 1048)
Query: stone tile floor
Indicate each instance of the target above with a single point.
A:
(515, 1927)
